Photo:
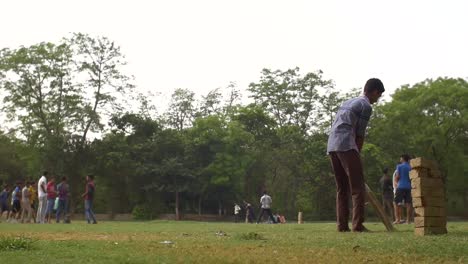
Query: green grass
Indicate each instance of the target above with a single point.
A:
(195, 242)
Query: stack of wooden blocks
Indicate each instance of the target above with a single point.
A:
(428, 195)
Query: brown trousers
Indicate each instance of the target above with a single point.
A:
(349, 179)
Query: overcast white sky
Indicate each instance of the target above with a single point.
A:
(202, 45)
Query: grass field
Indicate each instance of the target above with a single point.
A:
(196, 242)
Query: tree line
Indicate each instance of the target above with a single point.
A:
(70, 108)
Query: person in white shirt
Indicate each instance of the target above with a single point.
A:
(266, 202)
(237, 210)
(42, 197)
(26, 204)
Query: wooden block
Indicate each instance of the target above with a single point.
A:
(427, 183)
(429, 202)
(430, 211)
(422, 163)
(419, 173)
(422, 231)
(428, 193)
(430, 221)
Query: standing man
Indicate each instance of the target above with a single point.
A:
(89, 197)
(16, 203)
(4, 202)
(63, 194)
(249, 213)
(26, 203)
(237, 210)
(386, 184)
(51, 195)
(344, 147)
(403, 190)
(42, 197)
(265, 202)
(33, 198)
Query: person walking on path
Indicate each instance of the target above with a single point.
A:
(26, 203)
(51, 196)
(32, 199)
(4, 207)
(344, 146)
(63, 195)
(237, 210)
(89, 197)
(42, 198)
(249, 213)
(266, 202)
(16, 203)
(386, 185)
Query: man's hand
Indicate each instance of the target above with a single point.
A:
(359, 143)
(397, 177)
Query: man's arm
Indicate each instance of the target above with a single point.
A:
(43, 188)
(86, 192)
(359, 142)
(363, 120)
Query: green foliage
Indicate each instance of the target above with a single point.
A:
(8, 243)
(205, 155)
(428, 119)
(196, 242)
(288, 96)
(142, 212)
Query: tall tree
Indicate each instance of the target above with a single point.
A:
(40, 95)
(100, 62)
(181, 109)
(288, 96)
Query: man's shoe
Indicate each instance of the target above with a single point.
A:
(362, 230)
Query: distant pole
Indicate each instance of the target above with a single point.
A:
(299, 218)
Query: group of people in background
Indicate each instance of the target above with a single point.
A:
(265, 208)
(28, 201)
(396, 192)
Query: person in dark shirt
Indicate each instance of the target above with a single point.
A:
(4, 195)
(387, 193)
(89, 197)
(63, 190)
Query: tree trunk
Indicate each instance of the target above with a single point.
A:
(220, 208)
(177, 216)
(200, 205)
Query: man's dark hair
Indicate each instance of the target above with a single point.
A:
(265, 192)
(64, 178)
(91, 176)
(406, 157)
(45, 173)
(374, 84)
(385, 170)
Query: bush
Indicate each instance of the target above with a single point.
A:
(142, 212)
(16, 243)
